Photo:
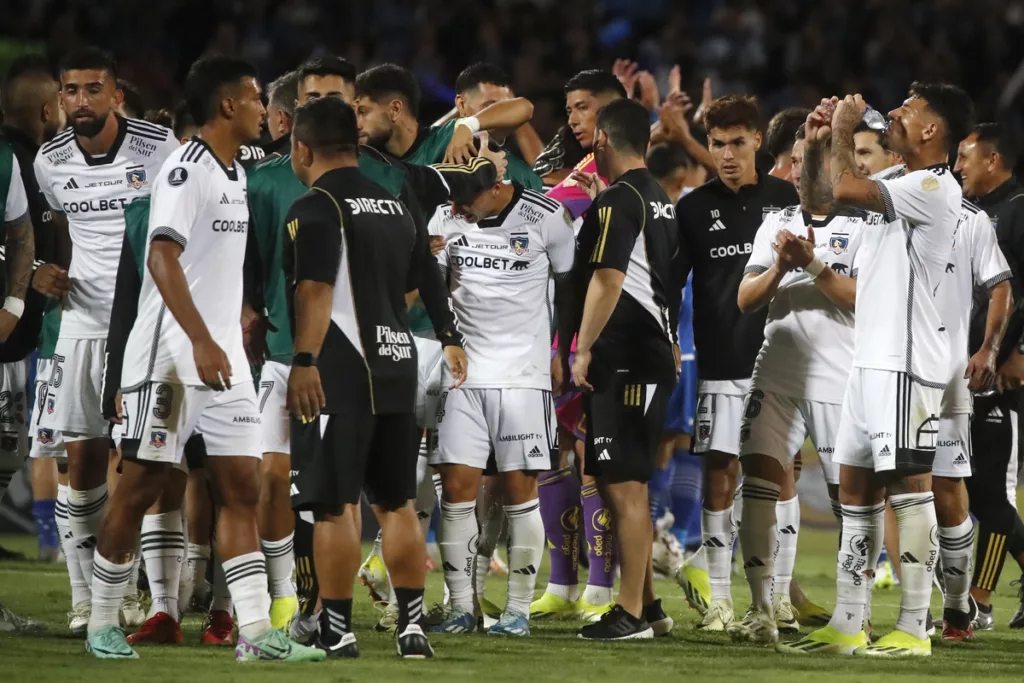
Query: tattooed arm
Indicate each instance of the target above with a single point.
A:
(815, 185)
(849, 186)
(19, 253)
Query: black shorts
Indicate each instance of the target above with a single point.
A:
(337, 457)
(624, 425)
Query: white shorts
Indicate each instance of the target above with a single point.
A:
(430, 358)
(777, 425)
(273, 396)
(14, 408)
(159, 417)
(518, 423)
(75, 390)
(957, 396)
(46, 441)
(719, 416)
(890, 422)
(953, 451)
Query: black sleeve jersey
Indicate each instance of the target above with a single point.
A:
(1005, 206)
(630, 227)
(351, 233)
(716, 235)
(125, 309)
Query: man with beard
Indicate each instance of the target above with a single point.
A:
(89, 173)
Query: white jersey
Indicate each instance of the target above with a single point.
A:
(499, 272)
(903, 258)
(17, 201)
(976, 261)
(93, 191)
(808, 339)
(201, 205)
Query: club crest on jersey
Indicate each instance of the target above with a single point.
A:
(704, 430)
(136, 178)
(520, 244)
(44, 436)
(838, 243)
(177, 176)
(51, 403)
(158, 439)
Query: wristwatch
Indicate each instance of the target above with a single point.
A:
(304, 360)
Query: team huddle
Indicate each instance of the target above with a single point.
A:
(237, 344)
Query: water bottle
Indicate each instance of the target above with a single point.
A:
(875, 120)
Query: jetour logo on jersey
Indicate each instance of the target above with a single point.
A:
(397, 345)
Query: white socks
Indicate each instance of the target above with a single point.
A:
(81, 590)
(955, 547)
(163, 549)
(758, 540)
(860, 523)
(717, 531)
(456, 532)
(110, 581)
(787, 512)
(525, 549)
(247, 580)
(280, 565)
(198, 561)
(85, 512)
(919, 549)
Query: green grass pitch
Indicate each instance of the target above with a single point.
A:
(552, 653)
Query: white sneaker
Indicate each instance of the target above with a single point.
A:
(78, 618)
(756, 627)
(718, 617)
(785, 615)
(132, 614)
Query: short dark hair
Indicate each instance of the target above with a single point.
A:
(481, 72)
(26, 65)
(389, 80)
(883, 141)
(627, 124)
(327, 65)
(205, 80)
(951, 103)
(664, 158)
(182, 120)
(596, 81)
(731, 111)
(89, 57)
(327, 125)
(283, 91)
(1003, 141)
(781, 133)
(161, 117)
(134, 105)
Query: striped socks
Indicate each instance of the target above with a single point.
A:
(110, 580)
(247, 580)
(163, 549)
(955, 547)
(280, 565)
(335, 620)
(85, 512)
(410, 607)
(759, 539)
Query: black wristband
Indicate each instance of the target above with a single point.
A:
(304, 360)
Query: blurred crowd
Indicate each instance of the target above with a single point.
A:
(789, 52)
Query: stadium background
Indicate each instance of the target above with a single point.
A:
(788, 52)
